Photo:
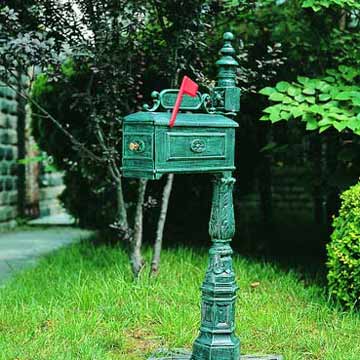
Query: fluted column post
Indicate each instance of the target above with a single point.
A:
(217, 340)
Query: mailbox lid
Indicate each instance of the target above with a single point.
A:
(182, 119)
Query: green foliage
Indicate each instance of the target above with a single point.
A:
(344, 251)
(316, 5)
(84, 183)
(138, 49)
(329, 101)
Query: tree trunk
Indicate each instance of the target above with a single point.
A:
(342, 21)
(137, 261)
(121, 218)
(161, 224)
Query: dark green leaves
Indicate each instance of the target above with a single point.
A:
(316, 5)
(330, 101)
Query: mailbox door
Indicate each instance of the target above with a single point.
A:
(193, 149)
(138, 151)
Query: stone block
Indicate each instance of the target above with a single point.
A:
(11, 121)
(8, 136)
(8, 121)
(4, 167)
(8, 152)
(50, 207)
(8, 106)
(8, 197)
(8, 183)
(51, 179)
(3, 120)
(8, 168)
(48, 193)
(7, 92)
(7, 213)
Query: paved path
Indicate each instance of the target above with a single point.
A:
(58, 219)
(20, 249)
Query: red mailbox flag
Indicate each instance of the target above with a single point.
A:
(187, 87)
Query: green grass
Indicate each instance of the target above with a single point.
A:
(81, 303)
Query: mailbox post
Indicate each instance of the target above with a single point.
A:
(200, 142)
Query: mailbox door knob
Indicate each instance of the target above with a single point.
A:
(137, 146)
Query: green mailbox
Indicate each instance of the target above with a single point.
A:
(202, 141)
(198, 143)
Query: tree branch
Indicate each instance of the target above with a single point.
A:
(73, 140)
(161, 224)
(137, 261)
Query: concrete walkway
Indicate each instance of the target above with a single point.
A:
(58, 219)
(21, 249)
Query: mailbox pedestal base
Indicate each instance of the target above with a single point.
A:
(183, 355)
(217, 339)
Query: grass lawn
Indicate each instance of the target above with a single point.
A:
(81, 303)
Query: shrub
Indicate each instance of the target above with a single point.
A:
(344, 251)
(87, 196)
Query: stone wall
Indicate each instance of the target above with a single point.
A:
(51, 186)
(8, 155)
(26, 190)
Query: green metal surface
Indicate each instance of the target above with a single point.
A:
(182, 119)
(187, 356)
(181, 354)
(198, 143)
(167, 98)
(217, 340)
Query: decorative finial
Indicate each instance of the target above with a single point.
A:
(227, 64)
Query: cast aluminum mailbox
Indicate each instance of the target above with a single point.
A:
(202, 141)
(198, 143)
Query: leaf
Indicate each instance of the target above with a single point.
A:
(308, 3)
(267, 91)
(311, 123)
(275, 117)
(348, 73)
(302, 79)
(282, 86)
(285, 115)
(329, 79)
(270, 109)
(324, 97)
(323, 128)
(316, 109)
(325, 122)
(345, 95)
(353, 124)
(277, 97)
(309, 91)
(288, 100)
(356, 102)
(300, 98)
(339, 126)
(297, 111)
(325, 87)
(310, 99)
(264, 118)
(293, 91)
